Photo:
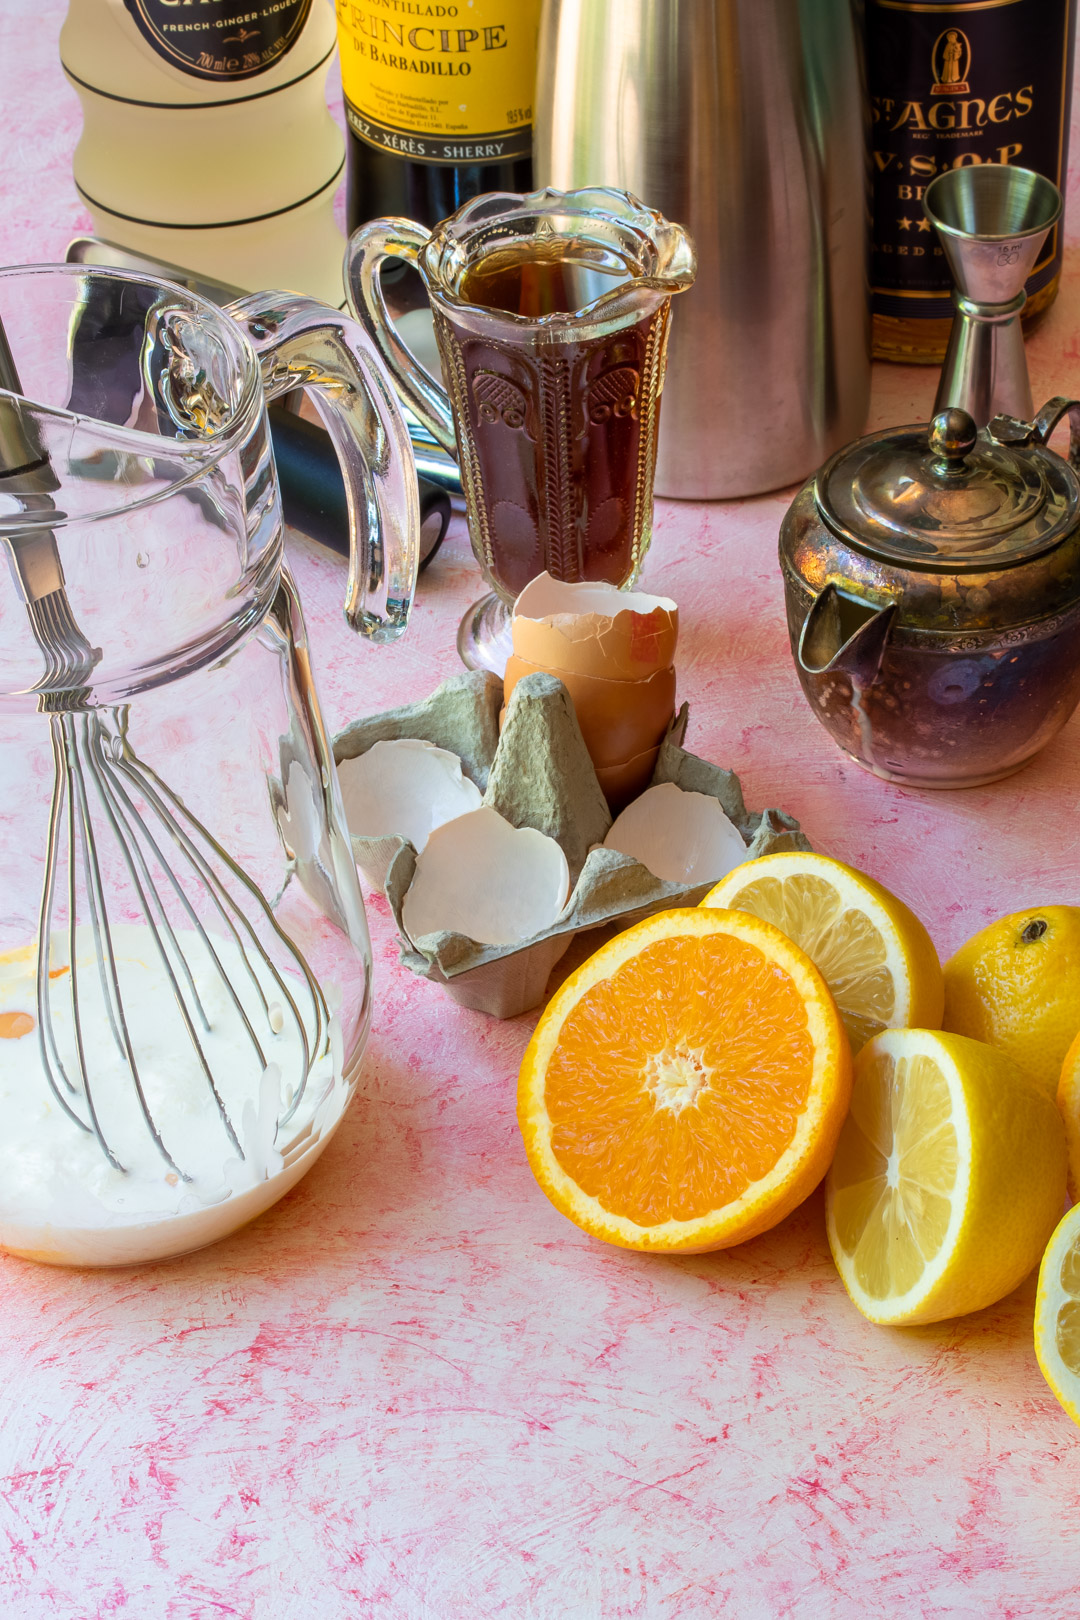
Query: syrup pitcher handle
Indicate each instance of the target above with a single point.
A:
(304, 344)
(368, 250)
(1048, 418)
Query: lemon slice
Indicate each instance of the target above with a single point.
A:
(948, 1178)
(873, 953)
(1057, 1314)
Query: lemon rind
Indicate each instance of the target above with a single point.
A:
(987, 1000)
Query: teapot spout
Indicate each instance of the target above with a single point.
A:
(842, 633)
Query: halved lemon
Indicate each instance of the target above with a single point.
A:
(875, 955)
(1057, 1314)
(948, 1178)
(684, 1089)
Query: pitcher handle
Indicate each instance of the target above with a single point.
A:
(368, 249)
(302, 343)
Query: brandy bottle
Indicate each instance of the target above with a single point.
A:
(956, 82)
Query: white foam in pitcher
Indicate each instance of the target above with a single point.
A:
(60, 1197)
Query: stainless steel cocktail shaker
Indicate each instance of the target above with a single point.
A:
(744, 121)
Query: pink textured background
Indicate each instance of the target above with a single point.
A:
(412, 1389)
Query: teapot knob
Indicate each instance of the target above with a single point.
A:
(953, 436)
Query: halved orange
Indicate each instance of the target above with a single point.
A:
(684, 1089)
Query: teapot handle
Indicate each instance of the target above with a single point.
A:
(302, 343)
(1048, 418)
(369, 248)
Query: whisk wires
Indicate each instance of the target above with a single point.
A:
(173, 863)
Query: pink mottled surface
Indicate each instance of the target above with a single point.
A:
(412, 1389)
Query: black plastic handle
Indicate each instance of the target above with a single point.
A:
(313, 492)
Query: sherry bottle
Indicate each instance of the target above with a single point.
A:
(438, 101)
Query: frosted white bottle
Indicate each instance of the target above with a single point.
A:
(206, 138)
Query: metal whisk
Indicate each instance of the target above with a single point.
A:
(177, 871)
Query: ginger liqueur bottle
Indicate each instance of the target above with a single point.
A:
(954, 82)
(438, 100)
(206, 137)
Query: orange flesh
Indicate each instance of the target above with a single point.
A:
(13, 1025)
(679, 1081)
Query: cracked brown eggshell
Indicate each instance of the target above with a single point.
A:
(592, 628)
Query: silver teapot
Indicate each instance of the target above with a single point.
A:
(932, 579)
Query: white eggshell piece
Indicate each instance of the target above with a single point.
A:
(483, 878)
(681, 837)
(405, 788)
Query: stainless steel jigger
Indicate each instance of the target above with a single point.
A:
(991, 221)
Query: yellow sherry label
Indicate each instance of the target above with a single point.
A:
(440, 81)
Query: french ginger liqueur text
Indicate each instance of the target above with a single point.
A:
(206, 137)
(956, 82)
(220, 39)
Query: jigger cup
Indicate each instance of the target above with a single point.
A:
(991, 221)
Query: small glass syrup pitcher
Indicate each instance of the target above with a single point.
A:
(185, 973)
(551, 313)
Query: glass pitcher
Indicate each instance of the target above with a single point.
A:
(185, 971)
(551, 312)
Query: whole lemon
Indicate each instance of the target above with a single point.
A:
(1016, 986)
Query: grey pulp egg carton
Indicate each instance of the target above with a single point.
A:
(538, 774)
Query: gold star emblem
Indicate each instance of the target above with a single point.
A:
(924, 224)
(905, 224)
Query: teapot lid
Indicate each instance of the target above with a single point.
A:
(948, 497)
